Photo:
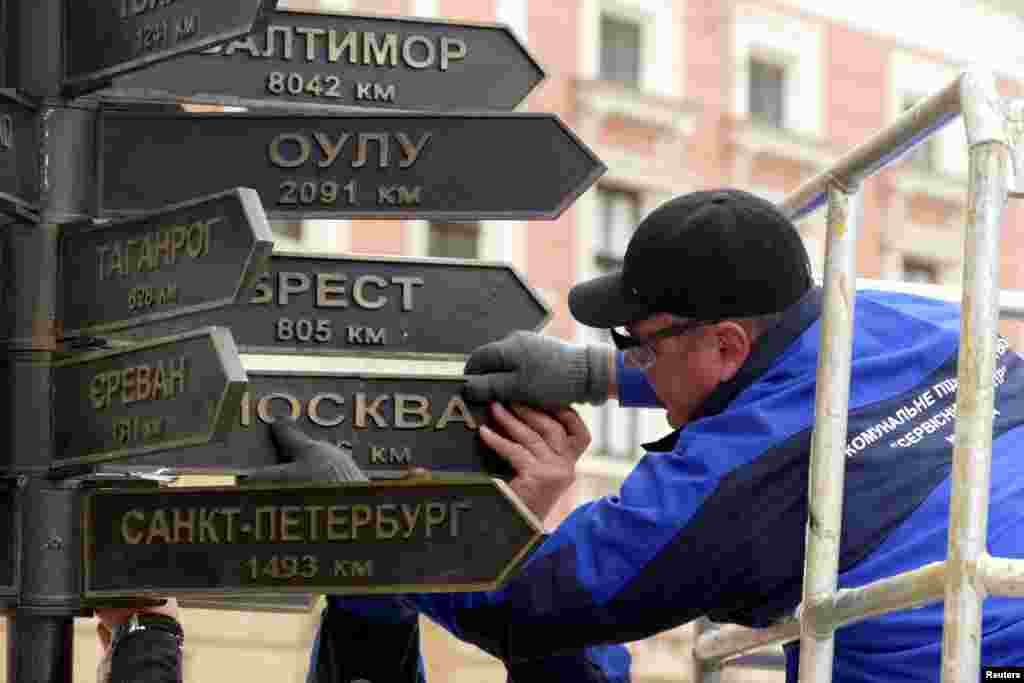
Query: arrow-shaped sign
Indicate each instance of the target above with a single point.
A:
(443, 166)
(166, 393)
(437, 535)
(105, 38)
(390, 422)
(374, 305)
(19, 152)
(312, 58)
(195, 256)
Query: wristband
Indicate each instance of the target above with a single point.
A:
(145, 621)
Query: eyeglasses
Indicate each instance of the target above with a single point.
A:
(641, 353)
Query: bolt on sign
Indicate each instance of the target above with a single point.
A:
(391, 423)
(375, 306)
(465, 533)
(410, 165)
(105, 38)
(19, 149)
(162, 394)
(307, 58)
(195, 256)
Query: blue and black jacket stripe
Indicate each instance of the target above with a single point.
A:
(712, 519)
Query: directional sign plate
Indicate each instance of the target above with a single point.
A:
(192, 257)
(441, 535)
(392, 423)
(381, 306)
(10, 541)
(306, 58)
(19, 150)
(163, 394)
(438, 166)
(105, 38)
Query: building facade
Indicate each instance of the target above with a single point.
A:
(675, 96)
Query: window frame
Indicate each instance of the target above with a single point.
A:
(464, 228)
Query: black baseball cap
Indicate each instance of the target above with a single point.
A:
(706, 255)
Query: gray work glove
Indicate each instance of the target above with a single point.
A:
(305, 460)
(533, 368)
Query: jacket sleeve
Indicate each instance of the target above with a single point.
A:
(619, 569)
(148, 656)
(634, 389)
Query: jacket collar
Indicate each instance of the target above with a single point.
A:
(769, 346)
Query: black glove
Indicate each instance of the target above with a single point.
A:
(532, 368)
(305, 460)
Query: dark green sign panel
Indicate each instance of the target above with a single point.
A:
(10, 545)
(451, 534)
(105, 38)
(19, 151)
(391, 423)
(163, 394)
(191, 257)
(373, 305)
(306, 58)
(437, 166)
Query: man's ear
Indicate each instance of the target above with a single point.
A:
(734, 344)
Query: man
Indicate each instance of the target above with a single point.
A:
(716, 319)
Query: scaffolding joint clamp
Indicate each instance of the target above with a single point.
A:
(815, 616)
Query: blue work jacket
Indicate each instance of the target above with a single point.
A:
(711, 522)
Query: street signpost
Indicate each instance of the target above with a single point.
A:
(390, 422)
(373, 306)
(19, 168)
(105, 38)
(306, 58)
(195, 256)
(160, 395)
(428, 166)
(445, 534)
(121, 224)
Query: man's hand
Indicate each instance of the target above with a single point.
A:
(543, 448)
(306, 460)
(539, 370)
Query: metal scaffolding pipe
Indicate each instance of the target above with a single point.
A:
(828, 444)
(730, 640)
(887, 145)
(908, 590)
(972, 448)
(1002, 576)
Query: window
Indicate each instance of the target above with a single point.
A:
(920, 271)
(621, 47)
(291, 230)
(619, 212)
(617, 431)
(454, 240)
(767, 92)
(925, 157)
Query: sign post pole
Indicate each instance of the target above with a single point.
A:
(118, 226)
(48, 594)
